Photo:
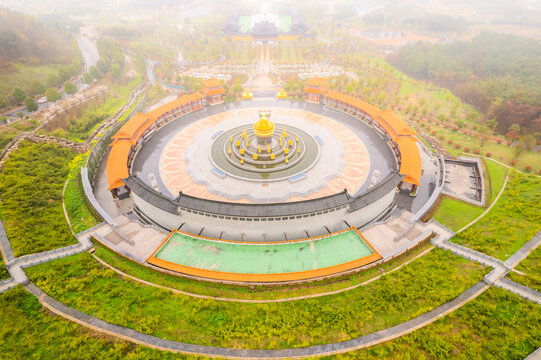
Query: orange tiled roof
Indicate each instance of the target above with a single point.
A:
(211, 92)
(117, 163)
(212, 82)
(394, 125)
(364, 106)
(411, 166)
(129, 131)
(181, 100)
(315, 90)
(316, 81)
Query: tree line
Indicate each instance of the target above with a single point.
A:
(499, 74)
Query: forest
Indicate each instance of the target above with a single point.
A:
(23, 39)
(499, 74)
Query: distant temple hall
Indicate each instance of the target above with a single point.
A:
(265, 27)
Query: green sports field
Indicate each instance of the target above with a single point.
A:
(267, 258)
(244, 23)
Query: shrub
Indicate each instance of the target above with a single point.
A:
(450, 141)
(442, 137)
(434, 132)
(528, 168)
(467, 149)
(513, 162)
(457, 146)
(477, 152)
(488, 154)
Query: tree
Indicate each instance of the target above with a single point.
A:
(103, 65)
(514, 132)
(37, 87)
(3, 119)
(3, 102)
(52, 95)
(526, 143)
(20, 114)
(30, 104)
(116, 71)
(52, 81)
(87, 78)
(95, 72)
(19, 94)
(70, 88)
(237, 89)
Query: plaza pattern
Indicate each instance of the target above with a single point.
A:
(356, 157)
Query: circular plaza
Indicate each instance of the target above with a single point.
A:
(259, 183)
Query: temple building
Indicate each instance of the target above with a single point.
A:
(314, 89)
(213, 91)
(266, 27)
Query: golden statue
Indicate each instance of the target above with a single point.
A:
(264, 129)
(241, 152)
(286, 151)
(255, 156)
(287, 160)
(290, 143)
(238, 143)
(272, 156)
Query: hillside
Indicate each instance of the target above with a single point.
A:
(23, 39)
(499, 74)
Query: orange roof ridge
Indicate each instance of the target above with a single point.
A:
(212, 82)
(117, 164)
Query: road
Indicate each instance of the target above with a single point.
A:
(90, 56)
(89, 51)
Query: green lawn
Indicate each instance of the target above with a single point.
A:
(457, 213)
(531, 268)
(80, 216)
(25, 74)
(31, 209)
(29, 331)
(81, 282)
(3, 271)
(513, 220)
(496, 325)
(6, 135)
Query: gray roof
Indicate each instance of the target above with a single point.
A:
(377, 192)
(262, 210)
(149, 195)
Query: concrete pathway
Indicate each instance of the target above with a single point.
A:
(524, 291)
(7, 284)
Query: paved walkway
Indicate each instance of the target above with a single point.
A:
(500, 268)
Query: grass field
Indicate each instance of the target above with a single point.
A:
(456, 213)
(496, 325)
(3, 271)
(513, 220)
(79, 281)
(530, 269)
(24, 75)
(31, 209)
(80, 216)
(29, 331)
